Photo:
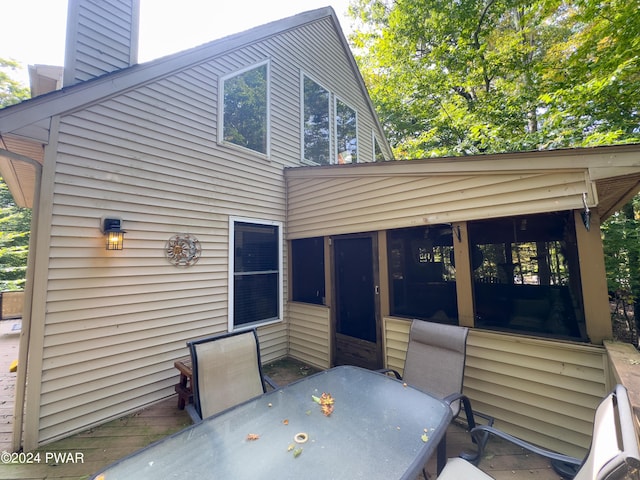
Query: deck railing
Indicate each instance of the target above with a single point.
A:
(11, 304)
(624, 363)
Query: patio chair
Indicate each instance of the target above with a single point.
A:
(226, 372)
(435, 364)
(613, 454)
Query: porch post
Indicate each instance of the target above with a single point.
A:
(383, 272)
(464, 274)
(593, 279)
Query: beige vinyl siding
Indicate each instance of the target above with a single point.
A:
(116, 321)
(309, 334)
(273, 342)
(396, 339)
(543, 391)
(348, 204)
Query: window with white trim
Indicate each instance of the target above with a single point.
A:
(244, 101)
(255, 272)
(378, 156)
(316, 130)
(346, 133)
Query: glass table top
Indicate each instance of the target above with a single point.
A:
(379, 428)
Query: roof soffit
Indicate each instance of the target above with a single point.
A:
(19, 160)
(615, 192)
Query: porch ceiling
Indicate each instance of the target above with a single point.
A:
(18, 157)
(614, 193)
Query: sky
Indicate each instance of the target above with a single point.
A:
(33, 31)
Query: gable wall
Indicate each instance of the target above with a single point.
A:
(116, 321)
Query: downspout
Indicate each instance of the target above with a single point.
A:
(25, 331)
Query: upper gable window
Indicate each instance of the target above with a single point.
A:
(346, 133)
(245, 108)
(378, 156)
(315, 125)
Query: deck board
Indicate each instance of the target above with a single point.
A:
(9, 340)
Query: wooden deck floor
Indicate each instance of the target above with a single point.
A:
(9, 340)
(85, 453)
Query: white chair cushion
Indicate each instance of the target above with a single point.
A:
(459, 469)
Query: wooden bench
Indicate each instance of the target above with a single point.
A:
(184, 388)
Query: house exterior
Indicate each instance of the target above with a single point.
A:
(245, 176)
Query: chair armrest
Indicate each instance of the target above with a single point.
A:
(270, 382)
(483, 430)
(386, 371)
(479, 439)
(468, 411)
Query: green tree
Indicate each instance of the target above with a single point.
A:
(621, 239)
(15, 222)
(594, 99)
(470, 76)
(11, 91)
(460, 77)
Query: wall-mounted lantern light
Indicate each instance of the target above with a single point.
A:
(112, 229)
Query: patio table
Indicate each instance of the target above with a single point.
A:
(379, 428)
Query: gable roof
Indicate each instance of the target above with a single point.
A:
(25, 125)
(71, 98)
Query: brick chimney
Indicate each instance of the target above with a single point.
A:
(102, 37)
